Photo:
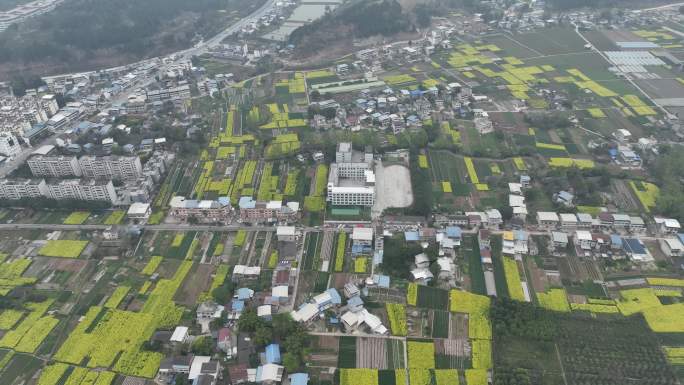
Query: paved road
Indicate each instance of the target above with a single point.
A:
(660, 7)
(230, 228)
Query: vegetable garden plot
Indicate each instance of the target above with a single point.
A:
(395, 354)
(371, 353)
(432, 298)
(347, 352)
(440, 324)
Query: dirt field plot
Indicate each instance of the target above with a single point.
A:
(324, 351)
(393, 188)
(200, 280)
(662, 88)
(458, 326)
(512, 47)
(371, 353)
(551, 41)
(452, 354)
(387, 295)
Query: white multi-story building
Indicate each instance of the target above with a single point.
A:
(9, 146)
(111, 167)
(351, 181)
(54, 166)
(82, 189)
(15, 189)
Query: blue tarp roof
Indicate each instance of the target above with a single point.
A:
(377, 257)
(615, 239)
(453, 232)
(299, 379)
(681, 237)
(244, 293)
(273, 354)
(224, 201)
(336, 299)
(411, 236)
(358, 249)
(520, 235)
(355, 301)
(238, 305)
(382, 280)
(246, 203)
(632, 245)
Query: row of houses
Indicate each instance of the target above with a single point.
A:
(604, 221)
(43, 163)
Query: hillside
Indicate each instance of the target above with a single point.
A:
(87, 34)
(356, 19)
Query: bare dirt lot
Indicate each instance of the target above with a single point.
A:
(393, 188)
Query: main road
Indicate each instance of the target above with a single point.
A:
(228, 228)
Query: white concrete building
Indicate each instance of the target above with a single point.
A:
(671, 247)
(54, 166)
(140, 211)
(82, 189)
(351, 181)
(111, 167)
(9, 146)
(15, 189)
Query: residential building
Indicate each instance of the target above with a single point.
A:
(671, 247)
(252, 211)
(204, 211)
(584, 239)
(286, 233)
(636, 250)
(584, 221)
(82, 189)
(362, 236)
(9, 146)
(111, 167)
(53, 166)
(174, 93)
(667, 225)
(547, 219)
(15, 189)
(559, 239)
(568, 220)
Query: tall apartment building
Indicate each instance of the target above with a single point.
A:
(111, 167)
(82, 189)
(9, 146)
(53, 166)
(15, 189)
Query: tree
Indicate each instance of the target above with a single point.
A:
(203, 346)
(263, 334)
(291, 362)
(222, 294)
(249, 321)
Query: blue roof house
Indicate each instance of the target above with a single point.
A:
(273, 354)
(299, 379)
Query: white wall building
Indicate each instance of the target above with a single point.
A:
(110, 167)
(9, 146)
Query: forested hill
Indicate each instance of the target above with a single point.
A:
(82, 34)
(355, 19)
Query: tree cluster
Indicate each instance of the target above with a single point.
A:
(283, 329)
